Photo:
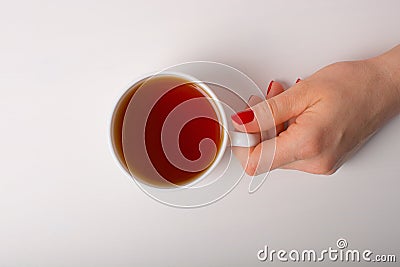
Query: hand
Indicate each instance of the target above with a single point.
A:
(329, 115)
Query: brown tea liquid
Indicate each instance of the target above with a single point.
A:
(154, 101)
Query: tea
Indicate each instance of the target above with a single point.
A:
(164, 126)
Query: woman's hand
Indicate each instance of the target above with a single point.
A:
(330, 115)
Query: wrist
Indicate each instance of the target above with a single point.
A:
(386, 68)
(389, 64)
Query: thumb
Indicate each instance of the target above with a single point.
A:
(272, 112)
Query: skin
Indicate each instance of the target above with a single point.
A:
(330, 115)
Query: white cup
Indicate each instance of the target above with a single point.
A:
(228, 138)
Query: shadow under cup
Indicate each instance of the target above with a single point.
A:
(166, 131)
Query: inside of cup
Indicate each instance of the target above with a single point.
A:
(140, 105)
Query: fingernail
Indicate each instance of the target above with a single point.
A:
(298, 80)
(270, 86)
(243, 117)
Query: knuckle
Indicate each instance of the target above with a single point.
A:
(262, 112)
(331, 172)
(310, 148)
(326, 167)
(271, 107)
(345, 68)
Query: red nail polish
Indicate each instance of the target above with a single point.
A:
(298, 80)
(269, 86)
(243, 117)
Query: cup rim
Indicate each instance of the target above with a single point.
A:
(216, 106)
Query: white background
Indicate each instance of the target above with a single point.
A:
(64, 201)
